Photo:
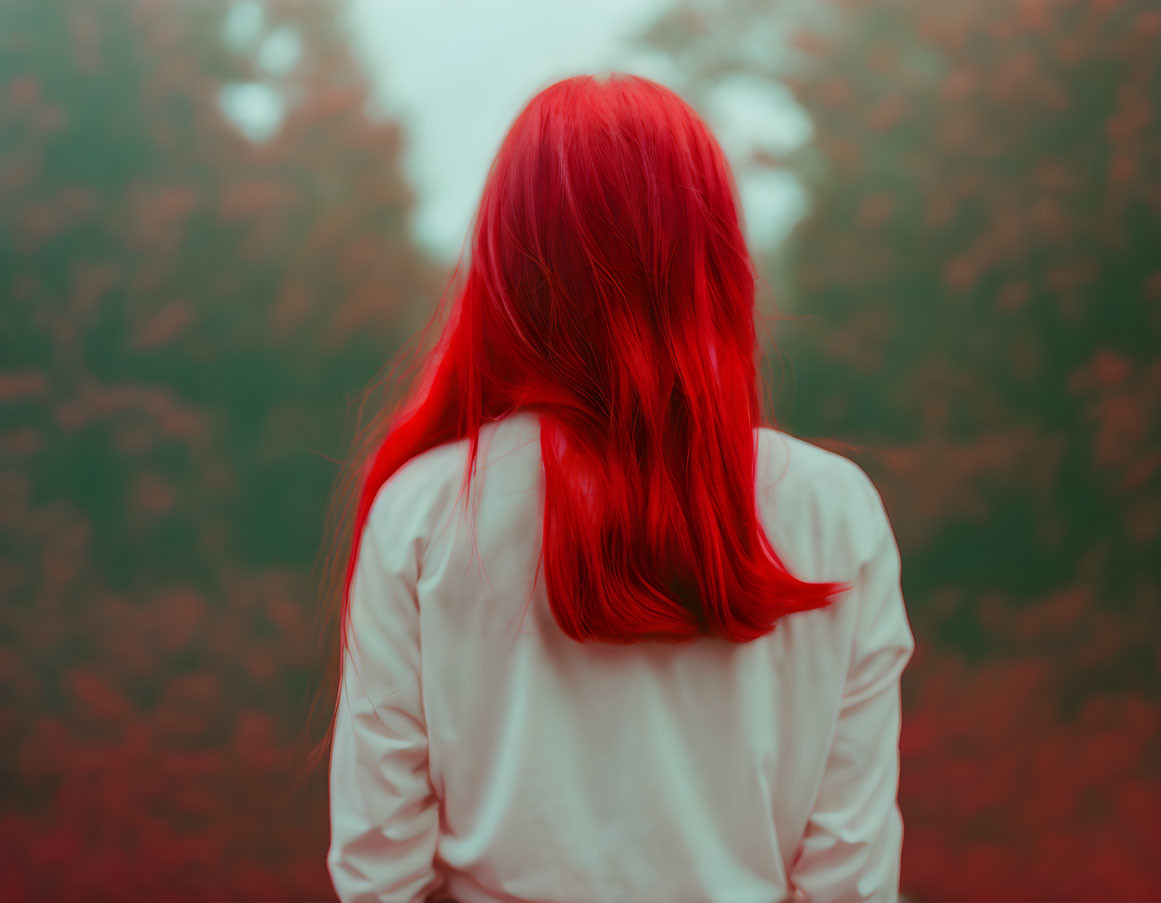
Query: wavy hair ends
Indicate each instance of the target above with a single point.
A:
(609, 291)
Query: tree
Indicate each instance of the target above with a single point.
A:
(185, 313)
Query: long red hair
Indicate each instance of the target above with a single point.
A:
(610, 291)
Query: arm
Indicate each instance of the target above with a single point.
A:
(384, 815)
(853, 841)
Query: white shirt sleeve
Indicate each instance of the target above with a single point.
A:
(383, 810)
(853, 841)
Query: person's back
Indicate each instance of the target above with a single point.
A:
(481, 755)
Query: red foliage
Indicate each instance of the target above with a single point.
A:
(978, 284)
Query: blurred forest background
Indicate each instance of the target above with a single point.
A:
(186, 313)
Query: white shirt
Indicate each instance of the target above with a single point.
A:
(480, 755)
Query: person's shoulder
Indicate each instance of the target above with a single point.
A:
(796, 471)
(423, 490)
(408, 504)
(789, 458)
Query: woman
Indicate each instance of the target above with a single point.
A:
(655, 653)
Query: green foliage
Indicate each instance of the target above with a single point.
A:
(185, 314)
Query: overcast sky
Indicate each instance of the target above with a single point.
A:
(457, 72)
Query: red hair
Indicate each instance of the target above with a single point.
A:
(610, 291)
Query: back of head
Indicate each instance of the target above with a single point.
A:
(611, 290)
(611, 277)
